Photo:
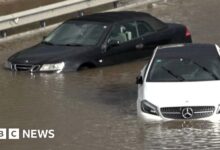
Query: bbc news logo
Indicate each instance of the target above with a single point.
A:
(16, 134)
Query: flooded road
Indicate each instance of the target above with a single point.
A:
(96, 109)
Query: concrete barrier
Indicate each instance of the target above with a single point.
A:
(51, 27)
(47, 12)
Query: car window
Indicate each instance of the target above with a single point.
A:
(123, 32)
(155, 23)
(144, 28)
(77, 32)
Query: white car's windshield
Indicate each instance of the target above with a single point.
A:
(185, 69)
(77, 33)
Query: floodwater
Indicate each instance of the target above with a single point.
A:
(96, 109)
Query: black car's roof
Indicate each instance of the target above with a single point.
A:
(187, 50)
(112, 17)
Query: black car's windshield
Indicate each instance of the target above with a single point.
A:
(184, 69)
(76, 33)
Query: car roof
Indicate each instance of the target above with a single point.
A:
(111, 17)
(187, 50)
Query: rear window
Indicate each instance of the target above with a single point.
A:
(155, 23)
(144, 28)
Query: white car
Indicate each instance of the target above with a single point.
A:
(180, 82)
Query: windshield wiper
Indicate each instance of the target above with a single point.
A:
(206, 70)
(47, 43)
(178, 77)
(73, 44)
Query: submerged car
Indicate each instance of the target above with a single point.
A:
(180, 82)
(98, 40)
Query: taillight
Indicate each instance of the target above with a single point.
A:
(187, 32)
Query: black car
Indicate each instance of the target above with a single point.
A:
(97, 40)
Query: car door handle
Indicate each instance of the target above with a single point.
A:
(139, 46)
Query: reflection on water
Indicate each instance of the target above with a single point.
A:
(182, 135)
(92, 109)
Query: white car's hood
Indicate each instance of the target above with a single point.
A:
(171, 94)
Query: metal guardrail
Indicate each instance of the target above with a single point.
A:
(47, 12)
(136, 3)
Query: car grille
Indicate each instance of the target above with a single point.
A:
(177, 112)
(25, 67)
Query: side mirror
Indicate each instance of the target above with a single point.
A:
(113, 43)
(139, 80)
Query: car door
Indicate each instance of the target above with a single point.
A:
(122, 42)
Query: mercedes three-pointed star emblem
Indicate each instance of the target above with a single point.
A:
(187, 113)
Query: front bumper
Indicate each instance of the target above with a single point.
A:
(149, 117)
(57, 67)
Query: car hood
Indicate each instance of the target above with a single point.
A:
(43, 53)
(183, 93)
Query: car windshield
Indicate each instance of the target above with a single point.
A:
(76, 33)
(184, 69)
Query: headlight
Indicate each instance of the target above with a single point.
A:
(53, 67)
(8, 65)
(149, 108)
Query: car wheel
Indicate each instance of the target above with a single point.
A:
(86, 66)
